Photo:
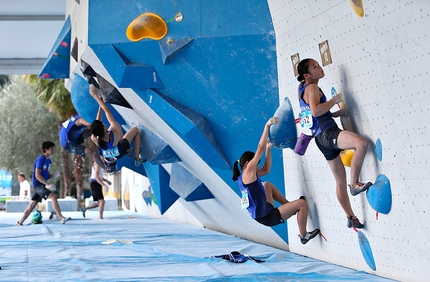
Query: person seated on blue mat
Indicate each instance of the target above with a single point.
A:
(112, 142)
(72, 134)
(258, 196)
(329, 138)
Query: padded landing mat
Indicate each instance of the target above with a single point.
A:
(130, 247)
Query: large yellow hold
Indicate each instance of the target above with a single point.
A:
(147, 25)
(346, 157)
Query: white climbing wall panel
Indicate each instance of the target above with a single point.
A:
(380, 62)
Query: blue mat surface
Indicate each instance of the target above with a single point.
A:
(131, 247)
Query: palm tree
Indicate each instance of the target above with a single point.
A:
(57, 98)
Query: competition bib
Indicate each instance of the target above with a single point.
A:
(244, 201)
(306, 119)
(111, 153)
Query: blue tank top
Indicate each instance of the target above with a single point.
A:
(110, 151)
(258, 205)
(320, 123)
(111, 139)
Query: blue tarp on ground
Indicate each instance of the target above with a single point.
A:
(161, 250)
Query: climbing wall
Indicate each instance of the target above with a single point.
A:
(200, 91)
(379, 64)
(204, 81)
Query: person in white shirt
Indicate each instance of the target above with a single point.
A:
(96, 185)
(24, 187)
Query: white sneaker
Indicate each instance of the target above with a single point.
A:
(64, 219)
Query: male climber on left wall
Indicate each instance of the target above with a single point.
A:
(72, 135)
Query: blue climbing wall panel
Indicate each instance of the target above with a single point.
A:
(212, 79)
(58, 61)
(226, 74)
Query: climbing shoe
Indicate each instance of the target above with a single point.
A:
(359, 187)
(354, 222)
(309, 235)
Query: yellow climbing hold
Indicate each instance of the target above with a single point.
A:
(147, 25)
(346, 157)
(357, 5)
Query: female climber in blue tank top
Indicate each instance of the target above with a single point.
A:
(111, 141)
(329, 138)
(259, 197)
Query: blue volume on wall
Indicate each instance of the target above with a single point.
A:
(58, 62)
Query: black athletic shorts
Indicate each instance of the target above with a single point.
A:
(327, 143)
(40, 192)
(123, 147)
(272, 219)
(96, 191)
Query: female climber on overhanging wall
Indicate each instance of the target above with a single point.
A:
(329, 138)
(111, 141)
(258, 196)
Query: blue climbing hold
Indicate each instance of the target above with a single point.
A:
(366, 250)
(378, 149)
(379, 194)
(284, 134)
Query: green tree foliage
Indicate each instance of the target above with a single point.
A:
(54, 95)
(25, 123)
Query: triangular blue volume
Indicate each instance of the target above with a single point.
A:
(187, 186)
(171, 49)
(159, 180)
(58, 61)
